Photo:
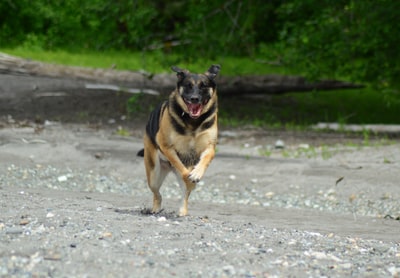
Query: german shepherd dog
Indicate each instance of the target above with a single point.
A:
(181, 134)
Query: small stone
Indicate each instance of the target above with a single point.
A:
(279, 144)
(232, 177)
(162, 219)
(269, 194)
(24, 222)
(49, 215)
(105, 235)
(50, 123)
(98, 155)
(304, 146)
(62, 178)
(52, 256)
(394, 271)
(352, 197)
(229, 270)
(346, 265)
(14, 231)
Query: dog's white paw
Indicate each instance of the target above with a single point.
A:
(196, 174)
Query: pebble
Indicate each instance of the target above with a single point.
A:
(24, 222)
(62, 178)
(14, 231)
(279, 144)
(229, 270)
(394, 271)
(269, 194)
(304, 146)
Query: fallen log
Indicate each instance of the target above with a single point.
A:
(164, 83)
(277, 84)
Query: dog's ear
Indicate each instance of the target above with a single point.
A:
(213, 71)
(181, 73)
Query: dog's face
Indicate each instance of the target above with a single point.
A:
(196, 90)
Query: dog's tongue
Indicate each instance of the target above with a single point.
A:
(194, 109)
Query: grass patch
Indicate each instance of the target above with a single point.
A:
(154, 61)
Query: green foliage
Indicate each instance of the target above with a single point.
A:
(75, 24)
(343, 39)
(349, 39)
(199, 27)
(134, 105)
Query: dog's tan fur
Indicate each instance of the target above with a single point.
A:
(181, 135)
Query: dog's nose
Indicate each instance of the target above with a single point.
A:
(194, 99)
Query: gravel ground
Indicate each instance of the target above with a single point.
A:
(74, 199)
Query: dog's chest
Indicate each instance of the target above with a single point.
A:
(189, 148)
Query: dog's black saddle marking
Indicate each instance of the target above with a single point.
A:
(153, 124)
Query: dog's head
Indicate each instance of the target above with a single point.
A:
(196, 89)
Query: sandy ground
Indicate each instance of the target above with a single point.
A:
(288, 213)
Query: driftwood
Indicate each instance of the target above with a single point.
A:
(130, 81)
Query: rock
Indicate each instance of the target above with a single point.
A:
(14, 231)
(279, 144)
(62, 178)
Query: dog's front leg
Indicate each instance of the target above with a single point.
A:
(205, 159)
(183, 177)
(176, 163)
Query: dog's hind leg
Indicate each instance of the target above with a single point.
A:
(155, 181)
(156, 172)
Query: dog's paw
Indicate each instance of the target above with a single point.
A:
(196, 174)
(194, 179)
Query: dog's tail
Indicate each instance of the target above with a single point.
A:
(140, 153)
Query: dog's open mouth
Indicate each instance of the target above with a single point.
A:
(194, 109)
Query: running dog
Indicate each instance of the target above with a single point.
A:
(181, 134)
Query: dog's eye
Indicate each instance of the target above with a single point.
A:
(189, 85)
(202, 85)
